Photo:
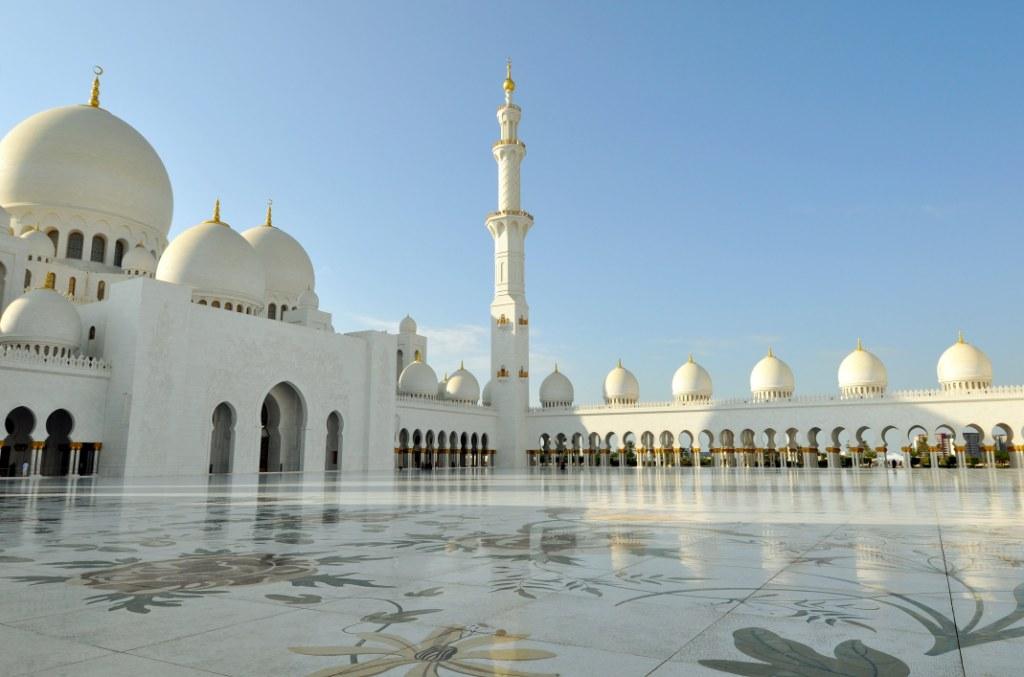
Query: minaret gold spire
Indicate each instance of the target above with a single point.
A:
(94, 100)
(509, 85)
(270, 214)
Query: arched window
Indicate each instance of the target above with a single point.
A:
(238, 309)
(72, 282)
(119, 248)
(215, 304)
(228, 306)
(272, 311)
(28, 279)
(101, 290)
(98, 253)
(202, 302)
(92, 333)
(54, 235)
(75, 244)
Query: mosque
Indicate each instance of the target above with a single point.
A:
(109, 331)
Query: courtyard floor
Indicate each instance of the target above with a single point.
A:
(479, 572)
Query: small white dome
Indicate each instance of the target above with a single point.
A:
(442, 387)
(691, 383)
(40, 246)
(288, 268)
(463, 386)
(216, 262)
(485, 398)
(139, 261)
(81, 157)
(556, 390)
(407, 325)
(621, 386)
(309, 299)
(771, 378)
(862, 373)
(964, 367)
(42, 317)
(418, 380)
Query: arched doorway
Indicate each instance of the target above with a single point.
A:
(222, 439)
(17, 446)
(57, 450)
(283, 426)
(333, 451)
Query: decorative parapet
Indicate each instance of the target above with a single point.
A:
(510, 212)
(12, 357)
(508, 142)
(412, 400)
(898, 396)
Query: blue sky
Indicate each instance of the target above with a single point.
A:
(707, 177)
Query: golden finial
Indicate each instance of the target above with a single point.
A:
(418, 358)
(860, 346)
(216, 211)
(771, 353)
(556, 367)
(270, 214)
(620, 363)
(462, 365)
(960, 336)
(690, 359)
(51, 281)
(510, 84)
(445, 376)
(94, 100)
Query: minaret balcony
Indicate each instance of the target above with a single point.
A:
(510, 212)
(508, 142)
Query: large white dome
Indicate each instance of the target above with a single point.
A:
(216, 262)
(621, 386)
(418, 380)
(81, 157)
(485, 397)
(462, 386)
(289, 270)
(691, 383)
(771, 378)
(862, 373)
(42, 317)
(556, 390)
(40, 246)
(964, 367)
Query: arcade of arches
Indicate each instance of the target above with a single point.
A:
(943, 446)
(33, 447)
(441, 449)
(283, 428)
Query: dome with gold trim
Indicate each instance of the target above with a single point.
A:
(621, 386)
(84, 157)
(42, 320)
(964, 367)
(862, 374)
(771, 378)
(287, 265)
(691, 383)
(218, 263)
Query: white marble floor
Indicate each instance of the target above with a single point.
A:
(634, 572)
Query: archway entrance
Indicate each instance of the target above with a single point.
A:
(57, 451)
(222, 439)
(334, 428)
(17, 446)
(283, 419)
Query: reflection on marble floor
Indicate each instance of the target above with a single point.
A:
(660, 572)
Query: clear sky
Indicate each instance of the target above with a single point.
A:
(708, 177)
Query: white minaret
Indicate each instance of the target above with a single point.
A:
(510, 316)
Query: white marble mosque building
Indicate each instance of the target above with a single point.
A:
(106, 327)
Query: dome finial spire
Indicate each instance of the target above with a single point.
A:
(960, 336)
(690, 358)
(556, 367)
(94, 99)
(216, 211)
(771, 353)
(509, 85)
(860, 346)
(270, 214)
